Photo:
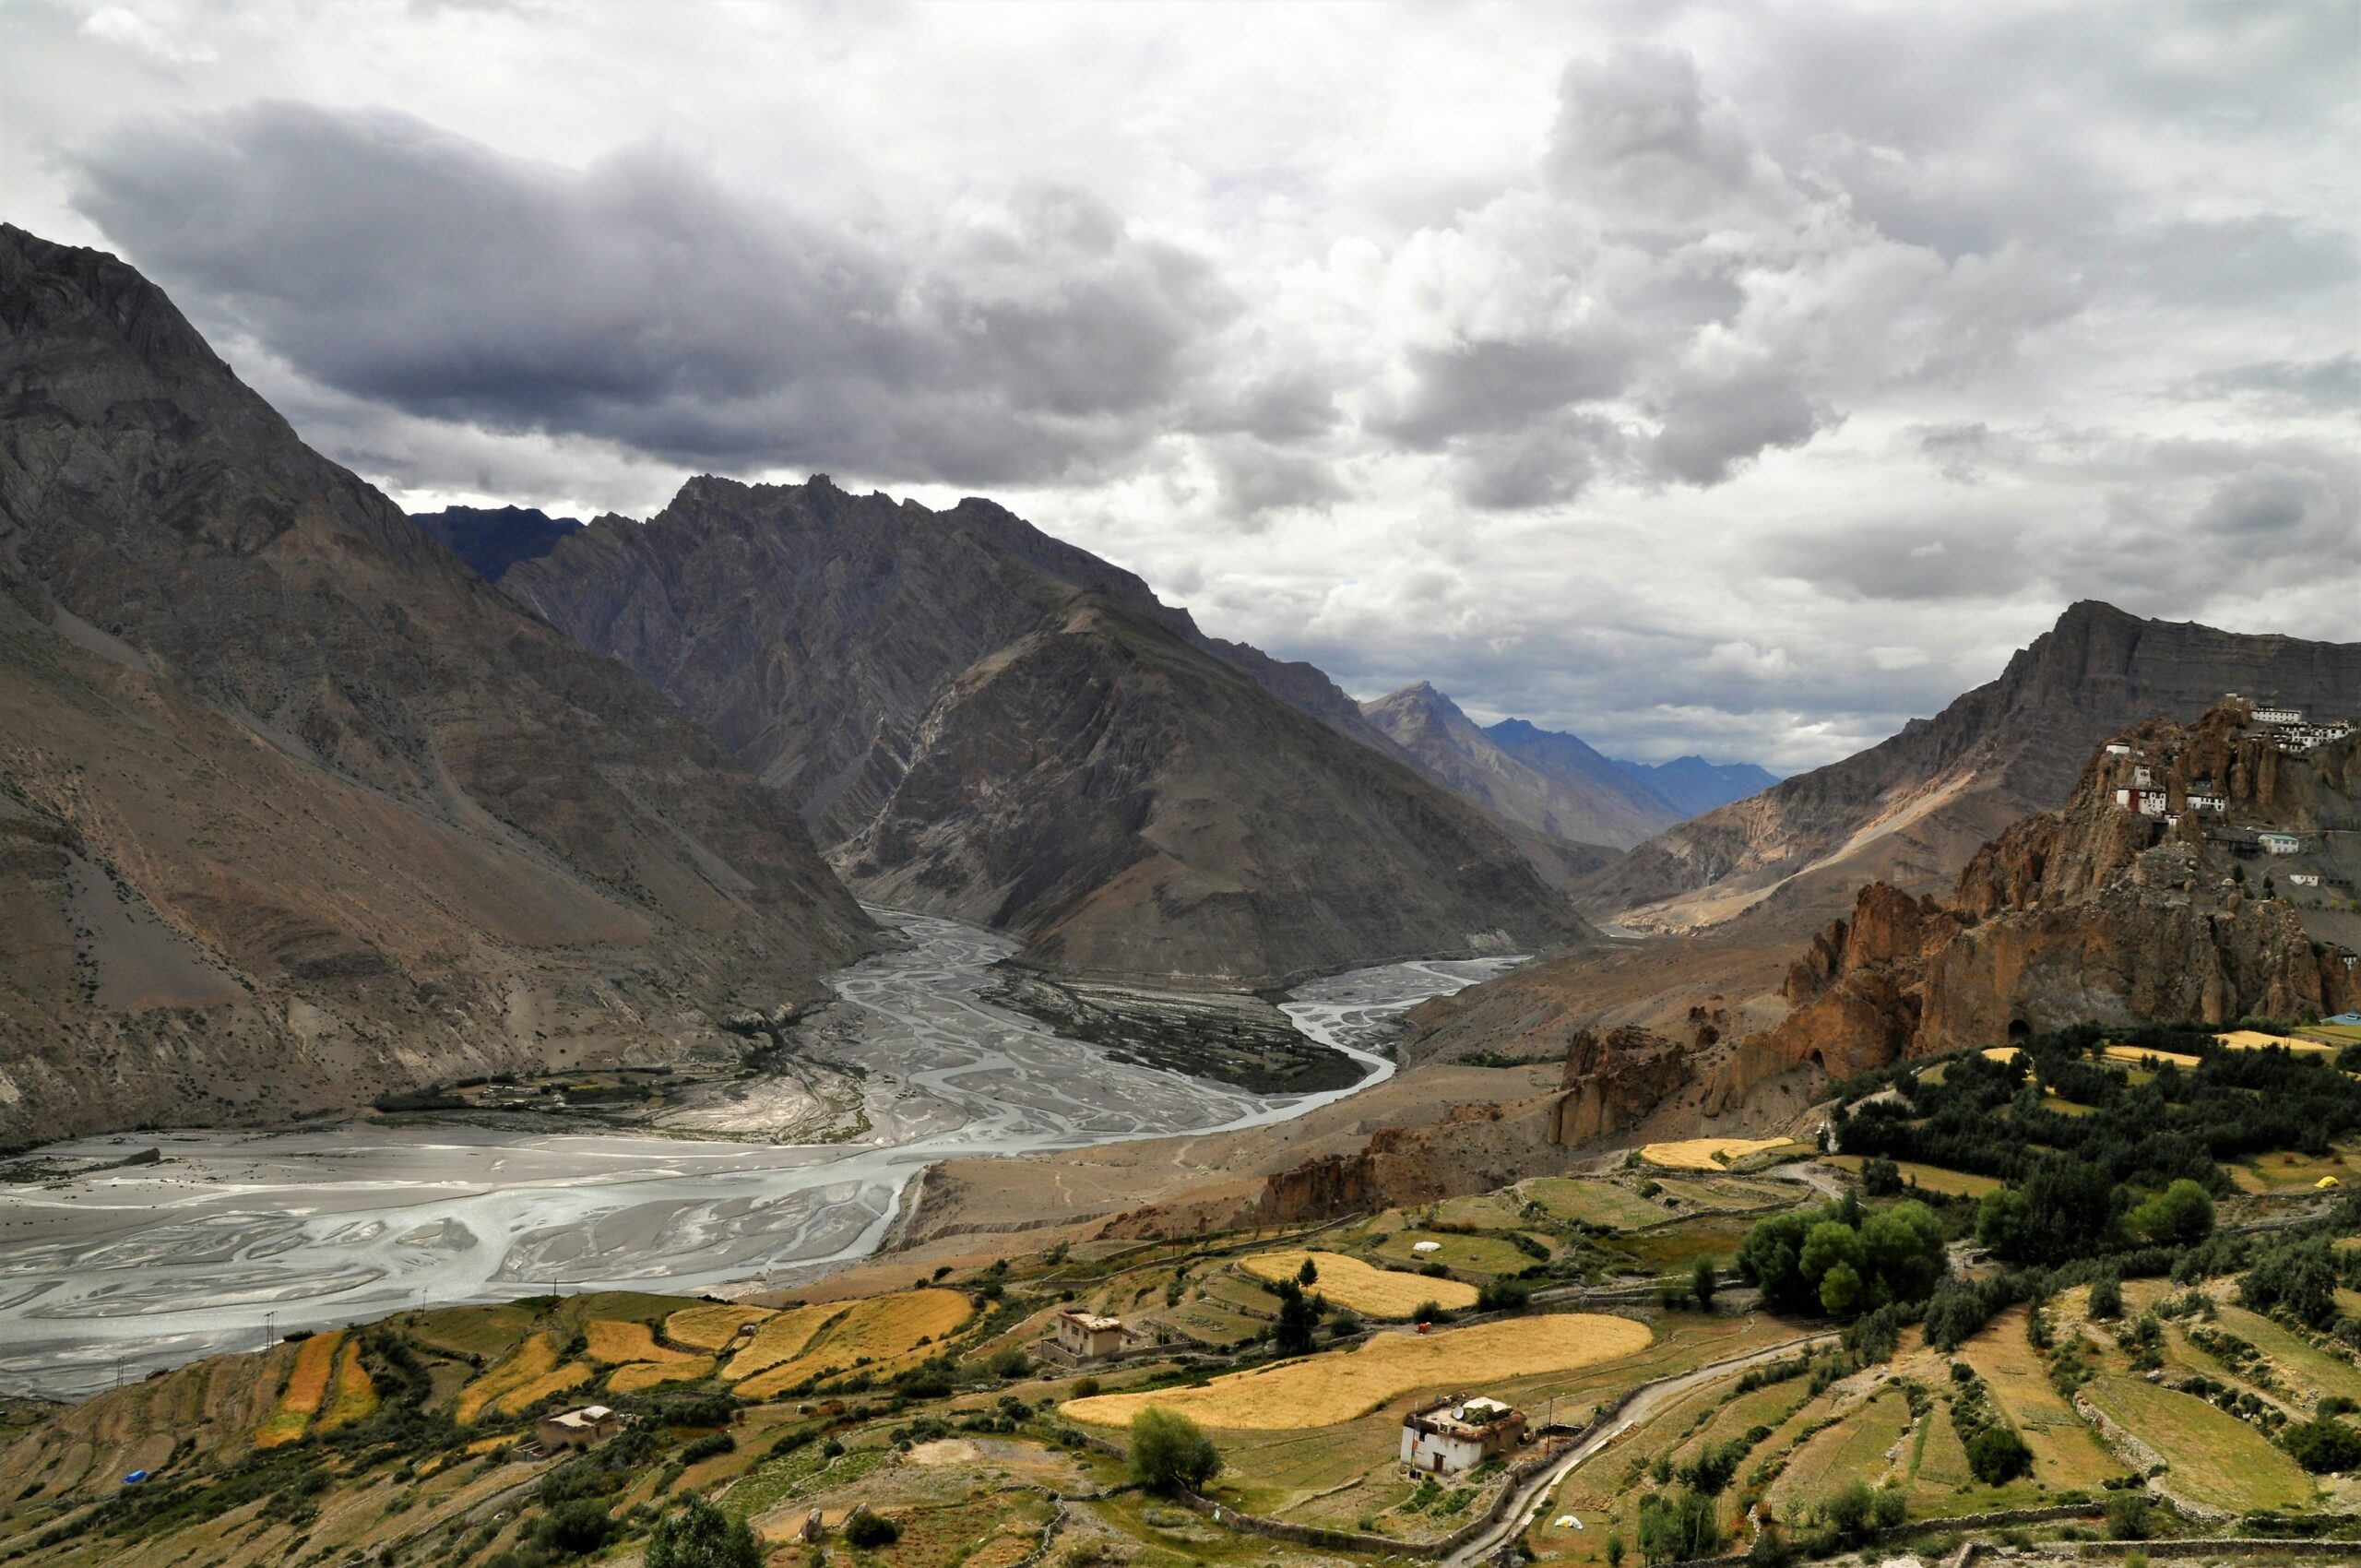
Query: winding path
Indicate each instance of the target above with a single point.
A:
(1644, 1401)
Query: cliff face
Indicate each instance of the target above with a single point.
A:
(1450, 747)
(295, 809)
(1913, 809)
(2100, 910)
(1614, 1080)
(983, 721)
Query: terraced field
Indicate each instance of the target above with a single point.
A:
(2067, 1455)
(712, 1326)
(879, 1336)
(1711, 1153)
(1933, 1178)
(2217, 1460)
(353, 1395)
(1350, 1282)
(1867, 1445)
(1477, 1254)
(1322, 1390)
(307, 1389)
(1594, 1202)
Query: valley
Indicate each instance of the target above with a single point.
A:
(144, 1266)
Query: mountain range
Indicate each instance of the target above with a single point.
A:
(980, 721)
(294, 808)
(1912, 809)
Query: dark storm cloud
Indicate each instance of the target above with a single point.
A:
(1491, 384)
(639, 302)
(1541, 466)
(1711, 430)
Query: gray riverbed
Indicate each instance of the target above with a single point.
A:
(236, 1235)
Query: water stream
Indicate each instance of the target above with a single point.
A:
(238, 1236)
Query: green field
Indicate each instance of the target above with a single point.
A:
(2216, 1459)
(1477, 1254)
(1932, 1178)
(1601, 1204)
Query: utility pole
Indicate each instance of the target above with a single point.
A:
(270, 1330)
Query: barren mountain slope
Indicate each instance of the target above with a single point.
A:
(295, 809)
(1600, 808)
(1912, 809)
(986, 722)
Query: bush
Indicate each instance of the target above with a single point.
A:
(1504, 1296)
(1675, 1530)
(1010, 1362)
(702, 1536)
(708, 1445)
(868, 1531)
(1999, 1454)
(577, 1528)
(1429, 1312)
(2107, 1297)
(2323, 1445)
(2130, 1517)
(1880, 1178)
(2295, 1277)
(1170, 1453)
(1085, 1388)
(1703, 1283)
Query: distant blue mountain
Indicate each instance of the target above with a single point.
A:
(1683, 788)
(493, 538)
(1693, 786)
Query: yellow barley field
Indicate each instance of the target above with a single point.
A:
(356, 1393)
(2131, 1056)
(781, 1338)
(1708, 1154)
(573, 1374)
(712, 1326)
(884, 1332)
(2255, 1039)
(1350, 1282)
(637, 1375)
(533, 1359)
(617, 1341)
(1323, 1390)
(307, 1389)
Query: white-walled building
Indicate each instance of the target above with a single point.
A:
(1457, 1435)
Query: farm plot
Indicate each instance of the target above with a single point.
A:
(533, 1372)
(618, 1342)
(636, 1376)
(1477, 1254)
(354, 1396)
(2067, 1454)
(2300, 1358)
(307, 1390)
(1932, 1178)
(781, 1338)
(2286, 1169)
(714, 1325)
(485, 1333)
(1350, 1282)
(1323, 1390)
(879, 1336)
(1866, 1445)
(2215, 1459)
(1602, 1204)
(1712, 1154)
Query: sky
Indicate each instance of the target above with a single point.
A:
(1740, 380)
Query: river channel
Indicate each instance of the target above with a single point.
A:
(234, 1237)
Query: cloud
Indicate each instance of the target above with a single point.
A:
(2329, 384)
(638, 301)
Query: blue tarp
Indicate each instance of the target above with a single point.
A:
(2349, 1020)
(134, 1478)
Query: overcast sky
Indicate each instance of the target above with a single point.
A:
(1733, 379)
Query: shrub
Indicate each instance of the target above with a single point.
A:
(708, 1445)
(1880, 1178)
(2128, 1517)
(2107, 1297)
(1170, 1453)
(1675, 1530)
(702, 1536)
(1429, 1312)
(1504, 1296)
(1010, 1362)
(1702, 1282)
(577, 1528)
(2323, 1445)
(868, 1531)
(1999, 1454)
(1084, 1388)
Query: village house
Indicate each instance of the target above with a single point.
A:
(2304, 737)
(2281, 843)
(1456, 1434)
(585, 1428)
(2304, 879)
(1087, 1335)
(2118, 748)
(2205, 796)
(2262, 715)
(2147, 802)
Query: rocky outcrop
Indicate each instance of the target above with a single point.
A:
(2101, 911)
(1612, 1081)
(1913, 809)
(1477, 1148)
(294, 808)
(1602, 808)
(983, 721)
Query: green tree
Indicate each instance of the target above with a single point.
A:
(1614, 1551)
(2294, 1278)
(1170, 1453)
(1770, 1259)
(1676, 1529)
(1830, 1245)
(701, 1536)
(577, 1527)
(1298, 1316)
(868, 1530)
(2107, 1297)
(1703, 1283)
(1841, 1291)
(2000, 1221)
(1904, 1246)
(1309, 1274)
(1880, 1178)
(2322, 1445)
(1997, 1454)
(2182, 1213)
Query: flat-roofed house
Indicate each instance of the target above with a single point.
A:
(1458, 1433)
(585, 1428)
(1087, 1335)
